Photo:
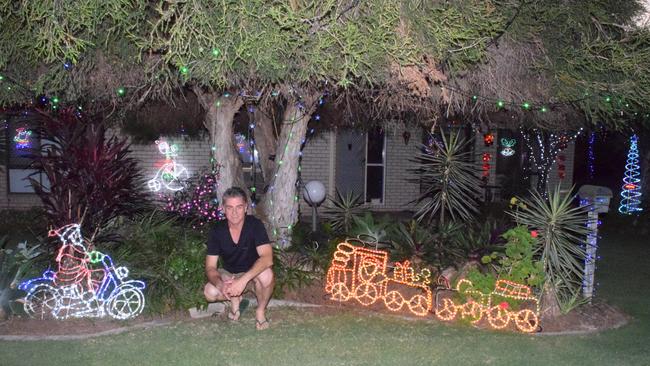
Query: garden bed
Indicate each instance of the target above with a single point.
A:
(585, 319)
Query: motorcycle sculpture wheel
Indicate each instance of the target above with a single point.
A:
(126, 304)
(40, 302)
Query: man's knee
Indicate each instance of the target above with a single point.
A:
(265, 278)
(212, 293)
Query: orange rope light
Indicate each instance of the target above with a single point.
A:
(361, 274)
(498, 315)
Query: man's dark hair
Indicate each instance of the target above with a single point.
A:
(234, 192)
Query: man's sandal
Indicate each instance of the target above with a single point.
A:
(261, 325)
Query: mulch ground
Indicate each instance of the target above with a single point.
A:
(585, 319)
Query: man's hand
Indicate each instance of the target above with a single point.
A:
(235, 288)
(224, 285)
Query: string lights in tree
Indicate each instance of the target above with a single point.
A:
(199, 202)
(591, 156)
(361, 274)
(281, 233)
(631, 193)
(543, 148)
(86, 284)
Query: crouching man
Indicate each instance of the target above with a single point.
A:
(247, 255)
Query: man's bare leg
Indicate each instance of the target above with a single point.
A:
(213, 294)
(263, 290)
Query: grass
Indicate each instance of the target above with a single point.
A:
(299, 338)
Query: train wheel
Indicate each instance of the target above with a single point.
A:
(366, 293)
(418, 305)
(394, 300)
(526, 321)
(472, 310)
(447, 311)
(340, 292)
(498, 317)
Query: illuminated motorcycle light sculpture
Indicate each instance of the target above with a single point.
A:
(171, 174)
(86, 284)
(361, 274)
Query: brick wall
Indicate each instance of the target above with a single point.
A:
(399, 189)
(317, 164)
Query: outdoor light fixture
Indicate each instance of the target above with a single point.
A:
(314, 194)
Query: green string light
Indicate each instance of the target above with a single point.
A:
(121, 92)
(525, 106)
(500, 103)
(215, 52)
(184, 70)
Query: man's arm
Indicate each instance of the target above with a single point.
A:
(265, 260)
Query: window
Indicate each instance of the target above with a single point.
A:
(20, 143)
(375, 166)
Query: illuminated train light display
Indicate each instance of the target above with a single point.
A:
(360, 274)
(498, 314)
(86, 284)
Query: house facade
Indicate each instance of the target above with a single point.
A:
(377, 165)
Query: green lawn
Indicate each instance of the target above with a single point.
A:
(299, 338)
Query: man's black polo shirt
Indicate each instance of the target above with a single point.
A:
(238, 257)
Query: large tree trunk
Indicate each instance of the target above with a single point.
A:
(266, 142)
(219, 114)
(280, 203)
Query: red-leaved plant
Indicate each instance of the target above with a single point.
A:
(91, 179)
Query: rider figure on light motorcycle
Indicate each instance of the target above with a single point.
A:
(73, 261)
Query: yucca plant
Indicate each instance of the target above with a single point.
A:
(449, 180)
(372, 231)
(411, 240)
(342, 209)
(562, 230)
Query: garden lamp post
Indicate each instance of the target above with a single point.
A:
(314, 194)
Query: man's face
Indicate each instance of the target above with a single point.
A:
(235, 209)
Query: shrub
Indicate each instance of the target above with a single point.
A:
(342, 211)
(169, 258)
(92, 180)
(15, 265)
